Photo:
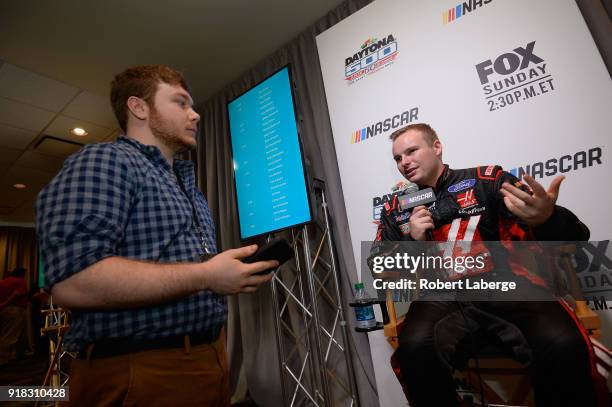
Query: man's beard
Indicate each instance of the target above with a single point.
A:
(166, 133)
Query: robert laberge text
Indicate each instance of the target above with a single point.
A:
(424, 284)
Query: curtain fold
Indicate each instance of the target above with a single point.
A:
(18, 248)
(598, 18)
(251, 336)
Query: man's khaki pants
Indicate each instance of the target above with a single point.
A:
(190, 376)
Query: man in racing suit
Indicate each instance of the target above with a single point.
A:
(486, 204)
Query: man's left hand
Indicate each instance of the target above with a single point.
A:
(534, 209)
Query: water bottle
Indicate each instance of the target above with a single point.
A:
(364, 312)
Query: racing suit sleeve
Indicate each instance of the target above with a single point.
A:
(563, 225)
(388, 230)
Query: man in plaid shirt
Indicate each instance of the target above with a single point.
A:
(123, 232)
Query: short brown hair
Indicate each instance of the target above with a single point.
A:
(429, 134)
(140, 81)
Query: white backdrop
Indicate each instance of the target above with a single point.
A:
(546, 98)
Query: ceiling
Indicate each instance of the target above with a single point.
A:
(57, 59)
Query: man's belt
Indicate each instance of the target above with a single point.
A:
(106, 348)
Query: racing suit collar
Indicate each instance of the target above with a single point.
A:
(442, 178)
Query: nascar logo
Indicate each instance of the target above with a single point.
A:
(390, 123)
(461, 9)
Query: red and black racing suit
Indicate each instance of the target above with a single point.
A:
(469, 206)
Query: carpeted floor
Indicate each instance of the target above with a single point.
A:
(29, 371)
(26, 372)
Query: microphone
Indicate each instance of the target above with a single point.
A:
(405, 187)
(418, 198)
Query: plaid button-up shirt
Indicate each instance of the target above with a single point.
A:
(123, 199)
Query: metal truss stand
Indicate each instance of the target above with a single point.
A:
(56, 324)
(312, 334)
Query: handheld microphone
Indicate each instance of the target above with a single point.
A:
(404, 187)
(418, 198)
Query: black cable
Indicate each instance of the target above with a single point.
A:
(474, 345)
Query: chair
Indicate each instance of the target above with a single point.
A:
(492, 361)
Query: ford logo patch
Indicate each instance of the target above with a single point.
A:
(465, 184)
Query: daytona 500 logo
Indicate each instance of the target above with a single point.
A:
(373, 55)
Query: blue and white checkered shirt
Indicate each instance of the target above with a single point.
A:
(122, 199)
